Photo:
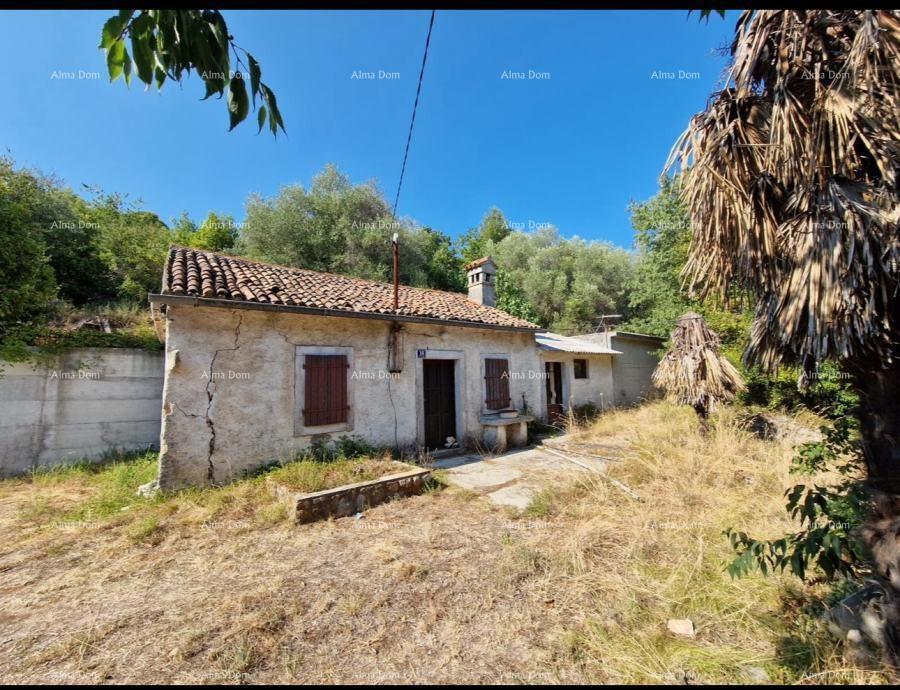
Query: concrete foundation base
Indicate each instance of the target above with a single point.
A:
(500, 434)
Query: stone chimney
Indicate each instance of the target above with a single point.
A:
(480, 277)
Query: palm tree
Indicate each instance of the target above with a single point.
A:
(791, 178)
(693, 372)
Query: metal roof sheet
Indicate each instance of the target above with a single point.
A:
(554, 342)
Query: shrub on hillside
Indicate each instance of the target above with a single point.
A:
(26, 278)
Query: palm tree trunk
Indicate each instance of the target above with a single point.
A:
(879, 391)
(703, 415)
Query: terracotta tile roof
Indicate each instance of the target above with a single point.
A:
(478, 262)
(198, 273)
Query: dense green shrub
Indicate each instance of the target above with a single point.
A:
(28, 341)
(830, 392)
(26, 277)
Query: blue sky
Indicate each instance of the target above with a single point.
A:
(571, 146)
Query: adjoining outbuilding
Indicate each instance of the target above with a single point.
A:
(605, 369)
(577, 372)
(636, 357)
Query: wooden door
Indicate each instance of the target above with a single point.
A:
(440, 401)
(553, 377)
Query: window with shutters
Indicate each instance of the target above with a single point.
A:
(496, 383)
(325, 399)
(322, 390)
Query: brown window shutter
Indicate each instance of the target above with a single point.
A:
(496, 377)
(325, 390)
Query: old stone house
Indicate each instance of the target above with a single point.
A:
(261, 360)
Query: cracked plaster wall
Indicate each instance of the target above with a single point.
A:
(229, 400)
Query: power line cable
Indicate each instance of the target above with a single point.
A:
(415, 107)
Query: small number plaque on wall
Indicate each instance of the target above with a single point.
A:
(421, 353)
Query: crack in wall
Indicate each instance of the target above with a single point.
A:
(210, 392)
(176, 408)
(285, 336)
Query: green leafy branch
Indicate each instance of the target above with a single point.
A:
(828, 515)
(169, 44)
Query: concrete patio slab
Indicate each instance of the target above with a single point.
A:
(454, 461)
(518, 496)
(515, 478)
(482, 476)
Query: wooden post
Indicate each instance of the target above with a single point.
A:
(396, 248)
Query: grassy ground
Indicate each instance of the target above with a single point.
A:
(219, 586)
(104, 496)
(663, 558)
(311, 475)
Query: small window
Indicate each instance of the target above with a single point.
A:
(496, 384)
(581, 369)
(325, 390)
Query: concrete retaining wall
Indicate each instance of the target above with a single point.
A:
(80, 405)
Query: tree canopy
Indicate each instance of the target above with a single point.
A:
(341, 227)
(26, 277)
(103, 247)
(567, 283)
(662, 236)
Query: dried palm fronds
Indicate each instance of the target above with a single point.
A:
(693, 372)
(792, 177)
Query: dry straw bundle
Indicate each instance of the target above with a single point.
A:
(693, 372)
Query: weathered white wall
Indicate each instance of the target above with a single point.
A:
(633, 368)
(80, 405)
(596, 389)
(229, 397)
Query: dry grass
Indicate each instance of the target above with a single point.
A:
(219, 586)
(122, 315)
(664, 558)
(310, 475)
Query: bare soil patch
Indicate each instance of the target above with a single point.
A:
(435, 588)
